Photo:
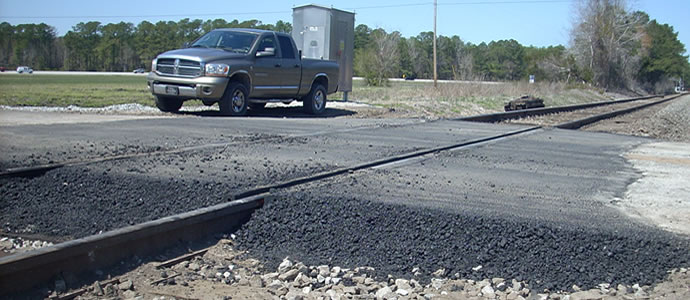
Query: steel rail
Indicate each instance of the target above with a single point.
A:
(38, 170)
(22, 271)
(596, 118)
(380, 162)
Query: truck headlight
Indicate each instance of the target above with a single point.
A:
(153, 65)
(217, 69)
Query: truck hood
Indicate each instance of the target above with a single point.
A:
(201, 54)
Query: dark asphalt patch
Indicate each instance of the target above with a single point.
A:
(343, 230)
(77, 201)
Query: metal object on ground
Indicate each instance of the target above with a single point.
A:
(524, 102)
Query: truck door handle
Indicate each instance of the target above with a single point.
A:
(296, 66)
(277, 65)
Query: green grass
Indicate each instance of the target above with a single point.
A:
(81, 90)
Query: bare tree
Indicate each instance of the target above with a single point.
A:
(380, 60)
(605, 39)
(464, 63)
(420, 61)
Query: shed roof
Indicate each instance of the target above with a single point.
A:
(321, 7)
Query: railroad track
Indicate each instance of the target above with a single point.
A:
(22, 271)
(38, 170)
(521, 114)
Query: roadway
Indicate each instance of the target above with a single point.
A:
(421, 80)
(536, 206)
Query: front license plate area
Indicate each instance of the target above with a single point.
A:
(172, 90)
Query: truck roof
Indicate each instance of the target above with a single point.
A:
(243, 30)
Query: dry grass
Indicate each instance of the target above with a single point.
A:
(406, 98)
(454, 99)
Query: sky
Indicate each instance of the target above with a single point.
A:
(530, 22)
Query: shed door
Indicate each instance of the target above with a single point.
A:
(314, 39)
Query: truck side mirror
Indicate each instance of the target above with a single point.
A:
(267, 52)
(186, 45)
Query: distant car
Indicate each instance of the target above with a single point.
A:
(2, 69)
(24, 69)
(139, 71)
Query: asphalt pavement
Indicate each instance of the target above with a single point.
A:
(532, 207)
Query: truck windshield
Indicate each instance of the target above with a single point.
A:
(239, 42)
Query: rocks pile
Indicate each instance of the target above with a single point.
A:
(316, 226)
(297, 281)
(235, 276)
(17, 245)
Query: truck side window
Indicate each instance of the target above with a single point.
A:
(286, 47)
(267, 42)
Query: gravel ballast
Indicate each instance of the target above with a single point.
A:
(394, 239)
(668, 121)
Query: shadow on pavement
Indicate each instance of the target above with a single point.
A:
(277, 112)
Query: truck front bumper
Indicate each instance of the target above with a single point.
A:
(204, 87)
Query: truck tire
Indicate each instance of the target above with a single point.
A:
(315, 102)
(168, 104)
(235, 100)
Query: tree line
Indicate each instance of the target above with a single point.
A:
(611, 47)
(93, 46)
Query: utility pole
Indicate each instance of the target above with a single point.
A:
(435, 74)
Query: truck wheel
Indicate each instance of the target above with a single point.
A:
(257, 106)
(235, 100)
(315, 102)
(168, 104)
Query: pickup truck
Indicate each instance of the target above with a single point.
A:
(240, 69)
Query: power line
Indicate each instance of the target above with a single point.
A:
(390, 6)
(149, 16)
(505, 2)
(403, 5)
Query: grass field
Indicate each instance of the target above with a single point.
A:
(80, 90)
(416, 98)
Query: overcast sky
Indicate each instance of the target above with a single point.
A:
(530, 22)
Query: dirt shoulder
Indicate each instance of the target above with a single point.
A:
(660, 196)
(13, 117)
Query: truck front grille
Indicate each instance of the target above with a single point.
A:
(178, 67)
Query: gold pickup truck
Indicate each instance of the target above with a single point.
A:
(240, 69)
